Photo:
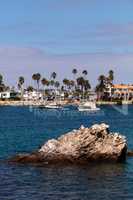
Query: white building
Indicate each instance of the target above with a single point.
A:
(9, 95)
(34, 95)
(5, 95)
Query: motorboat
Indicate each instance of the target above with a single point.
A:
(51, 105)
(88, 106)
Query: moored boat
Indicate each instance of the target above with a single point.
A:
(88, 106)
(51, 105)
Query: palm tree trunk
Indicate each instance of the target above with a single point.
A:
(38, 88)
(21, 92)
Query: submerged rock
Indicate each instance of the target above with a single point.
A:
(80, 146)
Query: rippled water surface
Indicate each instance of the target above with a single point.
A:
(24, 129)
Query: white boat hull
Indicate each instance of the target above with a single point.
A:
(88, 109)
(52, 107)
(88, 106)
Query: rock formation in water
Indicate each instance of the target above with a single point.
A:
(80, 146)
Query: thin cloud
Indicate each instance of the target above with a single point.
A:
(15, 62)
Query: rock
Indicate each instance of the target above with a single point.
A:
(27, 158)
(80, 146)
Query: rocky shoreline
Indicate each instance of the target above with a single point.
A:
(64, 102)
(82, 146)
(24, 103)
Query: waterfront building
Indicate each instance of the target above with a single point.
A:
(32, 95)
(9, 95)
(122, 91)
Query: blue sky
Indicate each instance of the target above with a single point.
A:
(57, 35)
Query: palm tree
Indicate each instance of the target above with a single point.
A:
(2, 85)
(21, 80)
(80, 82)
(75, 71)
(65, 82)
(1, 79)
(20, 84)
(30, 88)
(84, 72)
(53, 75)
(101, 87)
(52, 83)
(111, 76)
(87, 85)
(83, 84)
(72, 83)
(44, 82)
(101, 78)
(36, 77)
(57, 84)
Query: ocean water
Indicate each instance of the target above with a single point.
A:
(24, 129)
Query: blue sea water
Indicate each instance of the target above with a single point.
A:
(24, 129)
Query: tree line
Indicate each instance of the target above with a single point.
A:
(79, 84)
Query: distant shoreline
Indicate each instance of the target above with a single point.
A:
(34, 103)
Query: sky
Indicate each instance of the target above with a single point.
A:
(59, 35)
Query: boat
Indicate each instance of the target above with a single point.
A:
(89, 106)
(51, 105)
(54, 104)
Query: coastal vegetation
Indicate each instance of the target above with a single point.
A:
(20, 84)
(77, 87)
